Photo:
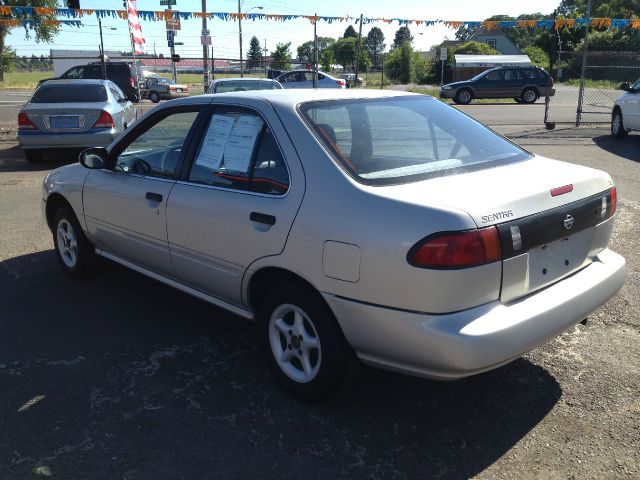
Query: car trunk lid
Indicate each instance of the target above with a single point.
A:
(52, 117)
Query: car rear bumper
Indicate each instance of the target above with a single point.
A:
(55, 140)
(456, 345)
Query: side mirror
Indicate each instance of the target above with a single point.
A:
(93, 158)
(625, 86)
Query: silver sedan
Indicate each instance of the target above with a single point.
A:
(72, 114)
(380, 226)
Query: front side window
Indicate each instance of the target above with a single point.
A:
(239, 151)
(155, 152)
(75, 72)
(400, 140)
(495, 75)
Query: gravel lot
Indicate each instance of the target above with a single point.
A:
(120, 377)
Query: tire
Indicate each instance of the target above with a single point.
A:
(73, 250)
(33, 156)
(463, 96)
(617, 124)
(529, 96)
(290, 315)
(517, 99)
(154, 97)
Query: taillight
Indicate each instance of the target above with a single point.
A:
(104, 121)
(24, 123)
(132, 82)
(451, 250)
(614, 201)
(342, 83)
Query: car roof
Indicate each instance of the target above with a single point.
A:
(289, 98)
(241, 79)
(75, 81)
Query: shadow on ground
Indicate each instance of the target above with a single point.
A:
(12, 159)
(121, 377)
(627, 147)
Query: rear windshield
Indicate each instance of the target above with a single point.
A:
(240, 86)
(406, 139)
(50, 93)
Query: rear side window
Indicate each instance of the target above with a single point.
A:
(533, 73)
(69, 93)
(404, 139)
(239, 152)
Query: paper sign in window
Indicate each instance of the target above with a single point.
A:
(239, 147)
(213, 146)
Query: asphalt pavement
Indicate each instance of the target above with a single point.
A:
(120, 377)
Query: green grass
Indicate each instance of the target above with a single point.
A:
(608, 84)
(24, 80)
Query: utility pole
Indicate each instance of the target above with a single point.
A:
(104, 67)
(240, 37)
(584, 67)
(355, 81)
(205, 67)
(173, 52)
(264, 53)
(315, 52)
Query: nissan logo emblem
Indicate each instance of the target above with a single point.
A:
(568, 222)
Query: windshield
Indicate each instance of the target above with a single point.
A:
(69, 93)
(480, 75)
(405, 139)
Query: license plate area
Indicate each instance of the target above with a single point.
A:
(65, 122)
(551, 262)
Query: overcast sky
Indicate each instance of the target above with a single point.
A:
(225, 34)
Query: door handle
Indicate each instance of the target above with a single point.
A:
(262, 218)
(154, 197)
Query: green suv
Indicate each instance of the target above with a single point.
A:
(523, 84)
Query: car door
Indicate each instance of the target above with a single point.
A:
(125, 205)
(127, 114)
(631, 107)
(489, 85)
(236, 203)
(511, 85)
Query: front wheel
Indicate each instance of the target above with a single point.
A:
(463, 97)
(73, 250)
(154, 97)
(305, 347)
(617, 124)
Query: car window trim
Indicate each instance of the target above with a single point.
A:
(153, 119)
(206, 114)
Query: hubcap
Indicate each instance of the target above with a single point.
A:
(67, 243)
(295, 343)
(529, 96)
(465, 96)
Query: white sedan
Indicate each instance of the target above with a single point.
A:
(380, 226)
(304, 79)
(626, 111)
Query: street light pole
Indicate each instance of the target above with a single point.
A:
(240, 37)
(104, 67)
(205, 49)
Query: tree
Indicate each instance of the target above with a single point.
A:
(403, 35)
(375, 44)
(281, 57)
(406, 66)
(43, 32)
(305, 51)
(537, 56)
(350, 32)
(344, 51)
(327, 59)
(254, 54)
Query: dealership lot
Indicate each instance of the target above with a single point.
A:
(121, 377)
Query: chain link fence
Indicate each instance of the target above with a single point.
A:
(588, 97)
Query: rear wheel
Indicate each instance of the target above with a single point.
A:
(33, 156)
(304, 345)
(617, 124)
(529, 95)
(154, 97)
(463, 96)
(73, 250)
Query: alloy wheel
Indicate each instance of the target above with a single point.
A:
(67, 243)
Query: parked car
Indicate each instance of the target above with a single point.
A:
(626, 111)
(304, 79)
(523, 84)
(224, 85)
(272, 74)
(158, 88)
(120, 73)
(72, 114)
(350, 78)
(380, 225)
